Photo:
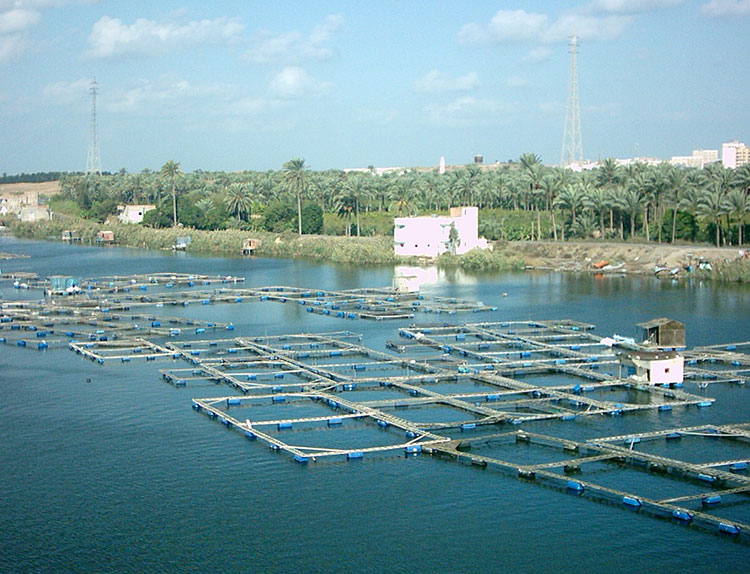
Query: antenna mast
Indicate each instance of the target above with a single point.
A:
(93, 157)
(572, 148)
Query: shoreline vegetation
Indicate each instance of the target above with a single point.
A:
(724, 264)
(612, 219)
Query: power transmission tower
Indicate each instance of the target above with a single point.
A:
(94, 157)
(572, 148)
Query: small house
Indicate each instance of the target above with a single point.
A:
(249, 246)
(662, 333)
(661, 367)
(105, 237)
(133, 214)
(70, 235)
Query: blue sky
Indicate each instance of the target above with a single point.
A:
(249, 85)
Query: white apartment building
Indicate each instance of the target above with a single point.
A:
(699, 159)
(430, 236)
(734, 154)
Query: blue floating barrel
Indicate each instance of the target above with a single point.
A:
(730, 529)
(731, 347)
(335, 353)
(196, 406)
(738, 466)
(383, 424)
(252, 377)
(707, 478)
(575, 486)
(711, 500)
(41, 345)
(195, 353)
(278, 399)
(673, 436)
(250, 435)
(468, 426)
(665, 408)
(492, 397)
(411, 434)
(225, 422)
(3, 340)
(283, 426)
(350, 387)
(232, 401)
(414, 392)
(682, 515)
(413, 449)
(21, 343)
(632, 440)
(704, 404)
(125, 359)
(568, 417)
(354, 455)
(278, 375)
(301, 459)
(276, 389)
(199, 330)
(335, 421)
(143, 287)
(525, 354)
(630, 501)
(41, 334)
(460, 337)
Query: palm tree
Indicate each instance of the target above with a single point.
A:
(171, 170)
(738, 204)
(571, 197)
(630, 201)
(295, 176)
(239, 200)
(712, 205)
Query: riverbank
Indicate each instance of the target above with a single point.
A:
(377, 250)
(672, 261)
(634, 258)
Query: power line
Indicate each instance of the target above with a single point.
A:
(93, 157)
(572, 148)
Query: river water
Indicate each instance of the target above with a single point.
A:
(119, 474)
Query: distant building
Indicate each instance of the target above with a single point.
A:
(699, 159)
(133, 213)
(22, 204)
(734, 154)
(34, 213)
(434, 235)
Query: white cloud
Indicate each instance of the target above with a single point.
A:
(177, 93)
(512, 26)
(111, 38)
(377, 116)
(18, 20)
(434, 81)
(467, 110)
(540, 54)
(516, 82)
(631, 6)
(726, 8)
(294, 46)
(11, 46)
(64, 93)
(294, 82)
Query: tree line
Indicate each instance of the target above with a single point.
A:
(663, 203)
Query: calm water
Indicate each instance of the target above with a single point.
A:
(120, 474)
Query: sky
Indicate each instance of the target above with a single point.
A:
(238, 85)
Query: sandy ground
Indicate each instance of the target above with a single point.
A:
(622, 257)
(45, 188)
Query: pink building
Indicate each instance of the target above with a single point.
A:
(430, 236)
